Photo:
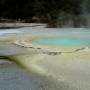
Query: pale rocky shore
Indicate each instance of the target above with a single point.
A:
(13, 77)
(19, 25)
(66, 71)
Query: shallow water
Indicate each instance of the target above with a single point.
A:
(79, 32)
(62, 41)
(14, 78)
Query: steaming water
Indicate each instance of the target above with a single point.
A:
(63, 41)
(4, 32)
(63, 36)
(78, 32)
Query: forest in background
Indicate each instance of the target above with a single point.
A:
(54, 12)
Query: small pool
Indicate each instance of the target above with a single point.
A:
(62, 41)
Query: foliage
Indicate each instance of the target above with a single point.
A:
(41, 10)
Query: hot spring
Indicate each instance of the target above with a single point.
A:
(62, 41)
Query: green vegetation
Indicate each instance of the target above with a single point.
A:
(26, 9)
(54, 12)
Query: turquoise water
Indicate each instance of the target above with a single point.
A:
(63, 41)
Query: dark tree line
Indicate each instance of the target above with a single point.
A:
(45, 9)
(28, 8)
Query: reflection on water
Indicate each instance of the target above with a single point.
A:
(14, 78)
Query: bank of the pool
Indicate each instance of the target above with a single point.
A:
(66, 68)
(19, 78)
(29, 61)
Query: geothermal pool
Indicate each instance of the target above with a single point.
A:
(62, 41)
